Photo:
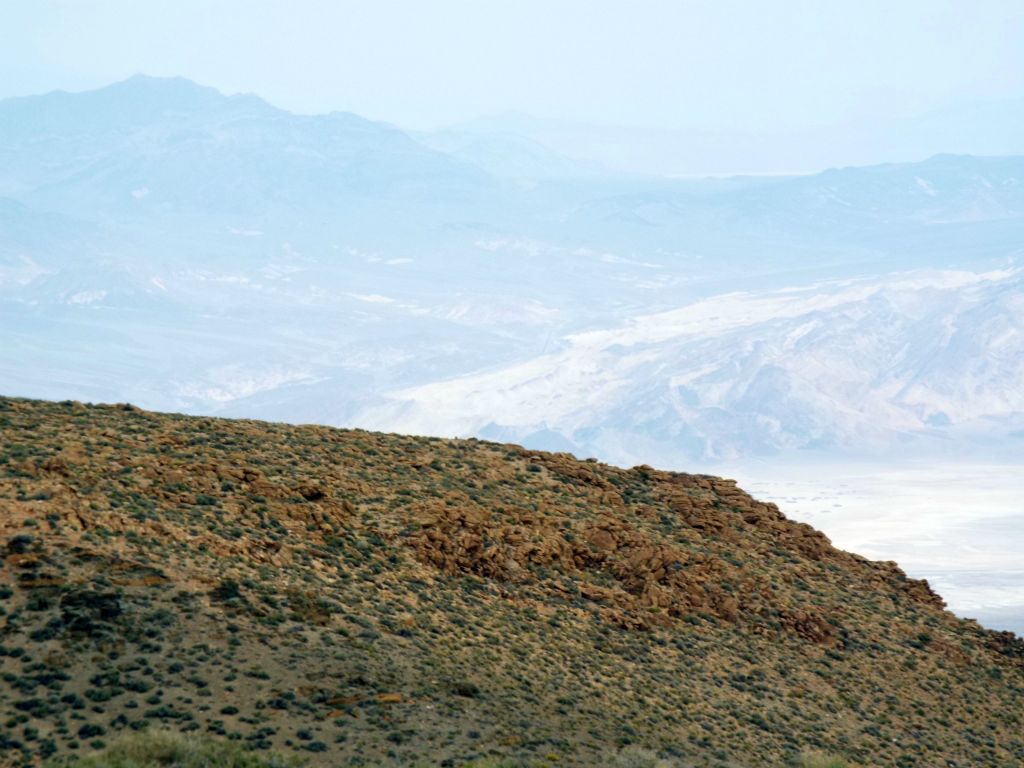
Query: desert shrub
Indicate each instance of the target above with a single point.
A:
(228, 590)
(308, 607)
(637, 757)
(160, 749)
(820, 760)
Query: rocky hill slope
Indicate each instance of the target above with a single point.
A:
(377, 599)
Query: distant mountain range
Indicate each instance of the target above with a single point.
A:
(150, 146)
(871, 364)
(993, 126)
(166, 244)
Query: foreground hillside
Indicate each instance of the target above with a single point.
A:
(371, 599)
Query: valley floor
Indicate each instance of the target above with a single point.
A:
(959, 525)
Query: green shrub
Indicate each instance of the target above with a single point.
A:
(163, 749)
(819, 760)
(637, 757)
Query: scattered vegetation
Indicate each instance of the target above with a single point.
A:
(163, 749)
(363, 599)
(819, 760)
(169, 749)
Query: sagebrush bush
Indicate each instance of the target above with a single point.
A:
(163, 749)
(820, 760)
(637, 757)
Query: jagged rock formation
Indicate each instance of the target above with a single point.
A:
(380, 598)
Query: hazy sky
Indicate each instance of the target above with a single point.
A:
(750, 66)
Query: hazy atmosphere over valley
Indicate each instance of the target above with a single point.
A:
(550, 383)
(598, 234)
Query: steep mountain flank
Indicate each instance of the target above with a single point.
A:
(379, 599)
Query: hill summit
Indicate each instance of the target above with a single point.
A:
(375, 599)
